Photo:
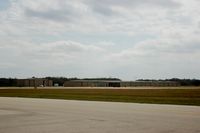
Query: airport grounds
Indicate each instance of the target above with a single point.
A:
(155, 95)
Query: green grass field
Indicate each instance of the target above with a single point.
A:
(187, 96)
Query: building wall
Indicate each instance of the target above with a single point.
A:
(72, 84)
(86, 84)
(32, 82)
(149, 83)
(119, 84)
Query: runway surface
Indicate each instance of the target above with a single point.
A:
(27, 115)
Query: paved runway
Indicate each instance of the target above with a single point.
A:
(26, 115)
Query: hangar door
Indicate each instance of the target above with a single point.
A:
(111, 84)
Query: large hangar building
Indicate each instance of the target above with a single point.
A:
(92, 83)
(118, 83)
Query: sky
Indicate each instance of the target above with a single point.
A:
(126, 39)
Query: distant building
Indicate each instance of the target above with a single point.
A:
(117, 83)
(92, 83)
(149, 83)
(34, 82)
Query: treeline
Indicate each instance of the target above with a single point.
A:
(8, 82)
(182, 82)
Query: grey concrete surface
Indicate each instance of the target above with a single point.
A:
(27, 115)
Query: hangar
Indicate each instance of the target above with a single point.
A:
(92, 83)
(118, 83)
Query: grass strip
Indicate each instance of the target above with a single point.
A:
(156, 96)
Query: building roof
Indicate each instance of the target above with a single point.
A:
(116, 81)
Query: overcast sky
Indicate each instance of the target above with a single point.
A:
(128, 39)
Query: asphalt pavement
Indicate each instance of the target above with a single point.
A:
(28, 115)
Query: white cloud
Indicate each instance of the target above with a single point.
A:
(39, 33)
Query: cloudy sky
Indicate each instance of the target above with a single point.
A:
(128, 39)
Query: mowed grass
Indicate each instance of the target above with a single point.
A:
(157, 96)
